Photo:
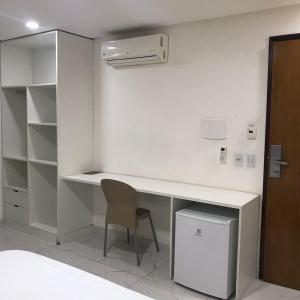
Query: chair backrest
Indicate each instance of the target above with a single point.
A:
(122, 202)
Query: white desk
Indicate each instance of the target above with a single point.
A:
(166, 188)
(181, 195)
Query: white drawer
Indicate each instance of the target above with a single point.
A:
(15, 213)
(15, 197)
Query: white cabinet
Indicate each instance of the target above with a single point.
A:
(47, 117)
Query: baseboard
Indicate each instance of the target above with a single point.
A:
(40, 234)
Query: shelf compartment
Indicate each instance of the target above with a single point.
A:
(42, 104)
(43, 197)
(15, 174)
(42, 143)
(14, 122)
(29, 60)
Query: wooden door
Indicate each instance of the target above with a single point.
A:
(280, 257)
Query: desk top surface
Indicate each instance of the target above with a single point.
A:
(197, 193)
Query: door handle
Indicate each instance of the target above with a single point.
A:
(275, 162)
(279, 162)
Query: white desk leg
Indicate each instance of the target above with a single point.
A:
(248, 241)
(176, 204)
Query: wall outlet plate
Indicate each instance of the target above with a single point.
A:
(239, 160)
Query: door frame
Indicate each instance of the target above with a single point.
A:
(272, 40)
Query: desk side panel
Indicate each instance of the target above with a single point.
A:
(77, 208)
(247, 263)
(74, 104)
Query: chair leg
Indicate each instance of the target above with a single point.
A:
(105, 240)
(136, 248)
(128, 236)
(153, 232)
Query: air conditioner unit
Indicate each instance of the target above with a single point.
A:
(144, 50)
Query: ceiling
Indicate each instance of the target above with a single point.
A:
(95, 18)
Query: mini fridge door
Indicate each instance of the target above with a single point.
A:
(202, 254)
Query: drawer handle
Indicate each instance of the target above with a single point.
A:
(16, 206)
(16, 191)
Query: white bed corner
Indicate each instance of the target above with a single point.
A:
(29, 276)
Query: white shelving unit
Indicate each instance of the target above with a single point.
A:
(47, 109)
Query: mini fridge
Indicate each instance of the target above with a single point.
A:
(206, 249)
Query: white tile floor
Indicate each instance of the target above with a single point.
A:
(151, 278)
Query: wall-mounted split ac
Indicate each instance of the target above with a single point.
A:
(144, 50)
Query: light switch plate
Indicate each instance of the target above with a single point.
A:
(223, 155)
(251, 131)
(251, 160)
(238, 159)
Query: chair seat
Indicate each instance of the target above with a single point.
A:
(142, 213)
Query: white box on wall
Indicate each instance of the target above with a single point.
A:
(214, 128)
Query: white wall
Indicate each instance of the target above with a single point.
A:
(148, 119)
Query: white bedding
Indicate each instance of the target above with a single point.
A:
(28, 276)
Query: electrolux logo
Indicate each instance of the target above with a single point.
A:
(198, 232)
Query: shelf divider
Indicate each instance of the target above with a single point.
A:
(12, 157)
(41, 124)
(44, 227)
(43, 162)
(14, 187)
(46, 84)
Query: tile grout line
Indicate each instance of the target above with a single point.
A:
(48, 246)
(148, 274)
(27, 235)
